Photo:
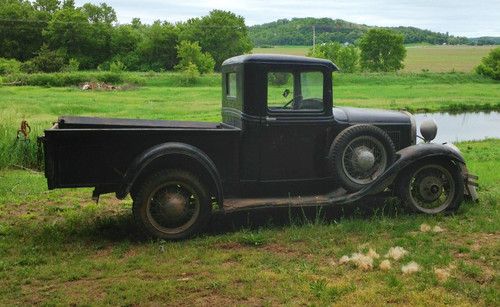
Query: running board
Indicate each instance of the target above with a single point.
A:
(338, 196)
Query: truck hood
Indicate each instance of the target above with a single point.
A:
(370, 116)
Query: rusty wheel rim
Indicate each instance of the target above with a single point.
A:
(173, 207)
(432, 188)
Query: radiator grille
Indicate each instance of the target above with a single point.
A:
(396, 138)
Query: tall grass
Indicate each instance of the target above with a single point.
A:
(18, 151)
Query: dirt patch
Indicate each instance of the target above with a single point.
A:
(229, 245)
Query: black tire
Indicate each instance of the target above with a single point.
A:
(343, 169)
(175, 215)
(415, 186)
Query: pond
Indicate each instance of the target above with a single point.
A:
(456, 127)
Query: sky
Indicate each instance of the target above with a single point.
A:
(469, 18)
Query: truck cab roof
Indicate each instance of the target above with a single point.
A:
(260, 59)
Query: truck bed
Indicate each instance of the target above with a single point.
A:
(90, 151)
(76, 122)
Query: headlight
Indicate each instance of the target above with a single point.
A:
(428, 129)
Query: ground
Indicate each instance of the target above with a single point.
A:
(58, 247)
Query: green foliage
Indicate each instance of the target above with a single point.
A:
(190, 53)
(299, 31)
(345, 57)
(157, 49)
(45, 61)
(222, 34)
(382, 50)
(278, 78)
(117, 67)
(189, 75)
(490, 65)
(72, 66)
(9, 66)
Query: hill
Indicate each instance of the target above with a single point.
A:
(298, 31)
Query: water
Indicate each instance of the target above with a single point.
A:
(463, 126)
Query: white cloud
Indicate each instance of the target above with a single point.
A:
(466, 18)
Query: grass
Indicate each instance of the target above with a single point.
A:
(59, 248)
(434, 58)
(162, 97)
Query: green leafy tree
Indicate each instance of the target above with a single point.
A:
(190, 53)
(222, 34)
(46, 61)
(69, 31)
(490, 65)
(124, 43)
(345, 57)
(20, 29)
(157, 49)
(382, 50)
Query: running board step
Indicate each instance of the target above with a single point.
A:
(338, 196)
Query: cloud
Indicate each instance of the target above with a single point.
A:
(465, 18)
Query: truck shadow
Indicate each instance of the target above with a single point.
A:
(282, 217)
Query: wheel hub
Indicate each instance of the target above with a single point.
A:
(364, 158)
(173, 207)
(430, 188)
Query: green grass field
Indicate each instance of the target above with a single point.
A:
(59, 248)
(419, 57)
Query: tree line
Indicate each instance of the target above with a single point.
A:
(299, 31)
(52, 35)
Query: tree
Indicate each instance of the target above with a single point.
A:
(190, 53)
(345, 57)
(222, 34)
(157, 49)
(490, 65)
(20, 29)
(382, 50)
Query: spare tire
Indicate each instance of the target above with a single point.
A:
(359, 155)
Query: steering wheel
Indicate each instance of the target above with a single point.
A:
(292, 100)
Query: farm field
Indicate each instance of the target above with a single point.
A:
(59, 248)
(419, 57)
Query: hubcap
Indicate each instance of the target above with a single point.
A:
(173, 207)
(364, 159)
(432, 188)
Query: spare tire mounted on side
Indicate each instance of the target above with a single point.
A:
(359, 155)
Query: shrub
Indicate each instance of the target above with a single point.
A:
(190, 53)
(73, 65)
(46, 61)
(345, 57)
(117, 67)
(9, 66)
(110, 77)
(189, 75)
(382, 50)
(490, 65)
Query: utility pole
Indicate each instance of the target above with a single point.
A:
(314, 38)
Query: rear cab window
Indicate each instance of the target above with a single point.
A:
(231, 87)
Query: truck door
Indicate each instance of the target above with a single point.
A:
(294, 132)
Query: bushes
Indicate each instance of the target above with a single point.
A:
(45, 61)
(490, 65)
(71, 78)
(190, 53)
(9, 66)
(345, 57)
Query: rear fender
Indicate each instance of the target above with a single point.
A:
(164, 152)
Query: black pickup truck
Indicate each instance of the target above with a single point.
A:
(281, 143)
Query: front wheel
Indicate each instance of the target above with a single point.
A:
(432, 187)
(172, 205)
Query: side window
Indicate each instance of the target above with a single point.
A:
(231, 85)
(279, 89)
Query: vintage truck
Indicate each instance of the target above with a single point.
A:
(281, 143)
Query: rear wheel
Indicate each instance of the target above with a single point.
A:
(172, 204)
(432, 187)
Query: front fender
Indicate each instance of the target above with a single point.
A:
(142, 161)
(406, 157)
